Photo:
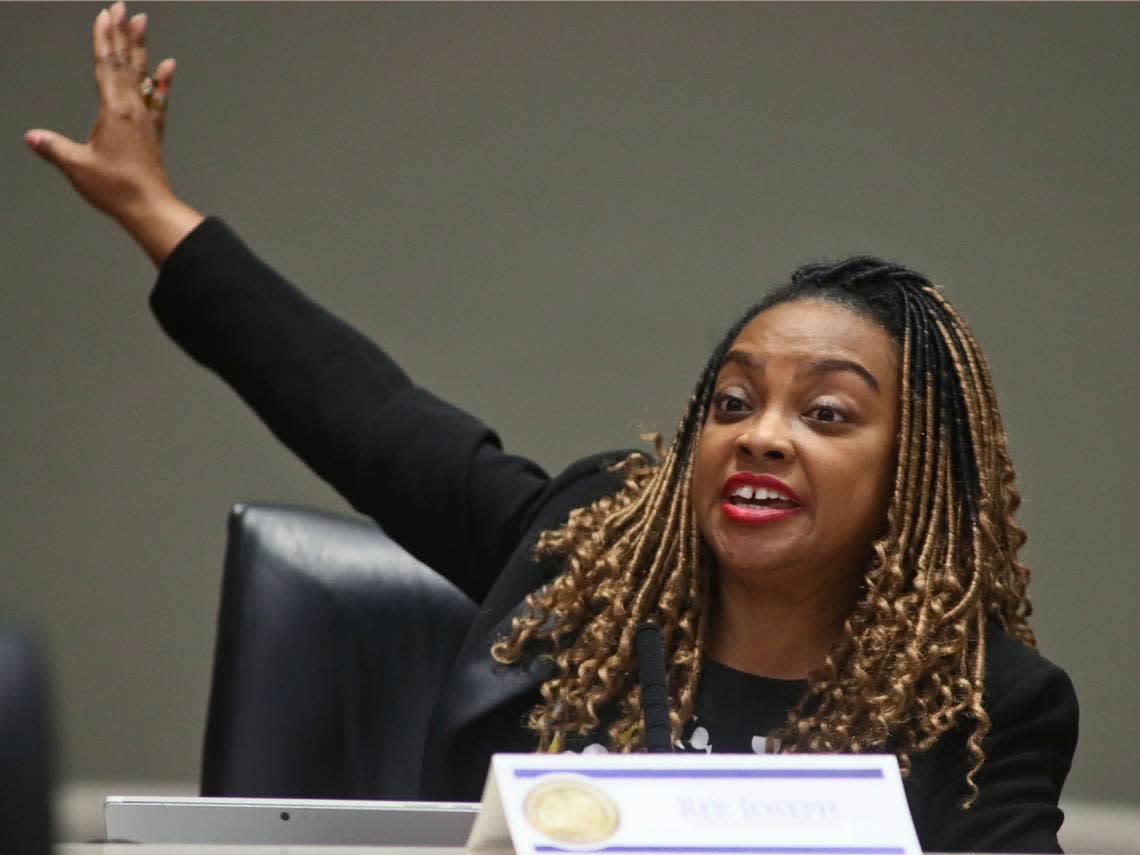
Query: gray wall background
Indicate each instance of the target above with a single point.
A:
(573, 200)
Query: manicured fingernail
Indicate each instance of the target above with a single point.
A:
(141, 22)
(33, 139)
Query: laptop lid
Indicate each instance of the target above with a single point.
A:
(157, 819)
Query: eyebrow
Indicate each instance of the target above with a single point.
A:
(817, 366)
(744, 358)
(824, 366)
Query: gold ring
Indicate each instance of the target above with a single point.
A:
(153, 92)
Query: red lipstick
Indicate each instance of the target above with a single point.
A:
(743, 510)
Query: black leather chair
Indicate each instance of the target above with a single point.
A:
(25, 762)
(332, 646)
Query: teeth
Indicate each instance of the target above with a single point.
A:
(758, 494)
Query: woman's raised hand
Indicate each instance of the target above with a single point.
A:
(119, 170)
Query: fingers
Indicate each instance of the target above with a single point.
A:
(113, 72)
(136, 31)
(121, 47)
(120, 42)
(99, 48)
(123, 77)
(55, 148)
(126, 92)
(163, 77)
(164, 72)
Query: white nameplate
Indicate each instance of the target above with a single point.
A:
(695, 804)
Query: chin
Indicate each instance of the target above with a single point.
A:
(756, 562)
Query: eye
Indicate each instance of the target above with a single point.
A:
(827, 413)
(731, 401)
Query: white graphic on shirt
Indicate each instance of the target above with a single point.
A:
(764, 745)
(700, 740)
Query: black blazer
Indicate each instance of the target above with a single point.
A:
(440, 484)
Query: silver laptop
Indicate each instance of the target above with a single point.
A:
(158, 819)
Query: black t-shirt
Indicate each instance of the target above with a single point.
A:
(735, 711)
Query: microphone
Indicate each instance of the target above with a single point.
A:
(654, 694)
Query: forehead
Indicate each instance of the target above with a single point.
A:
(811, 329)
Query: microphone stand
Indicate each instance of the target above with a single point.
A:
(654, 693)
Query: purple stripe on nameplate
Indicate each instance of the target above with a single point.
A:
(707, 773)
(744, 850)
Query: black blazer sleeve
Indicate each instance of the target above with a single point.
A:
(1033, 735)
(435, 478)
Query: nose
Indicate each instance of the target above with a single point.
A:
(765, 437)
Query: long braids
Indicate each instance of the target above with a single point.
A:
(627, 557)
(910, 662)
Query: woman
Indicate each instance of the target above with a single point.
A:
(828, 544)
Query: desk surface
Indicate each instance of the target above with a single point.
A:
(244, 849)
(171, 849)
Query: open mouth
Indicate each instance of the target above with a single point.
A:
(759, 498)
(754, 498)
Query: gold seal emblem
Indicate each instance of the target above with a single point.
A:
(571, 810)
